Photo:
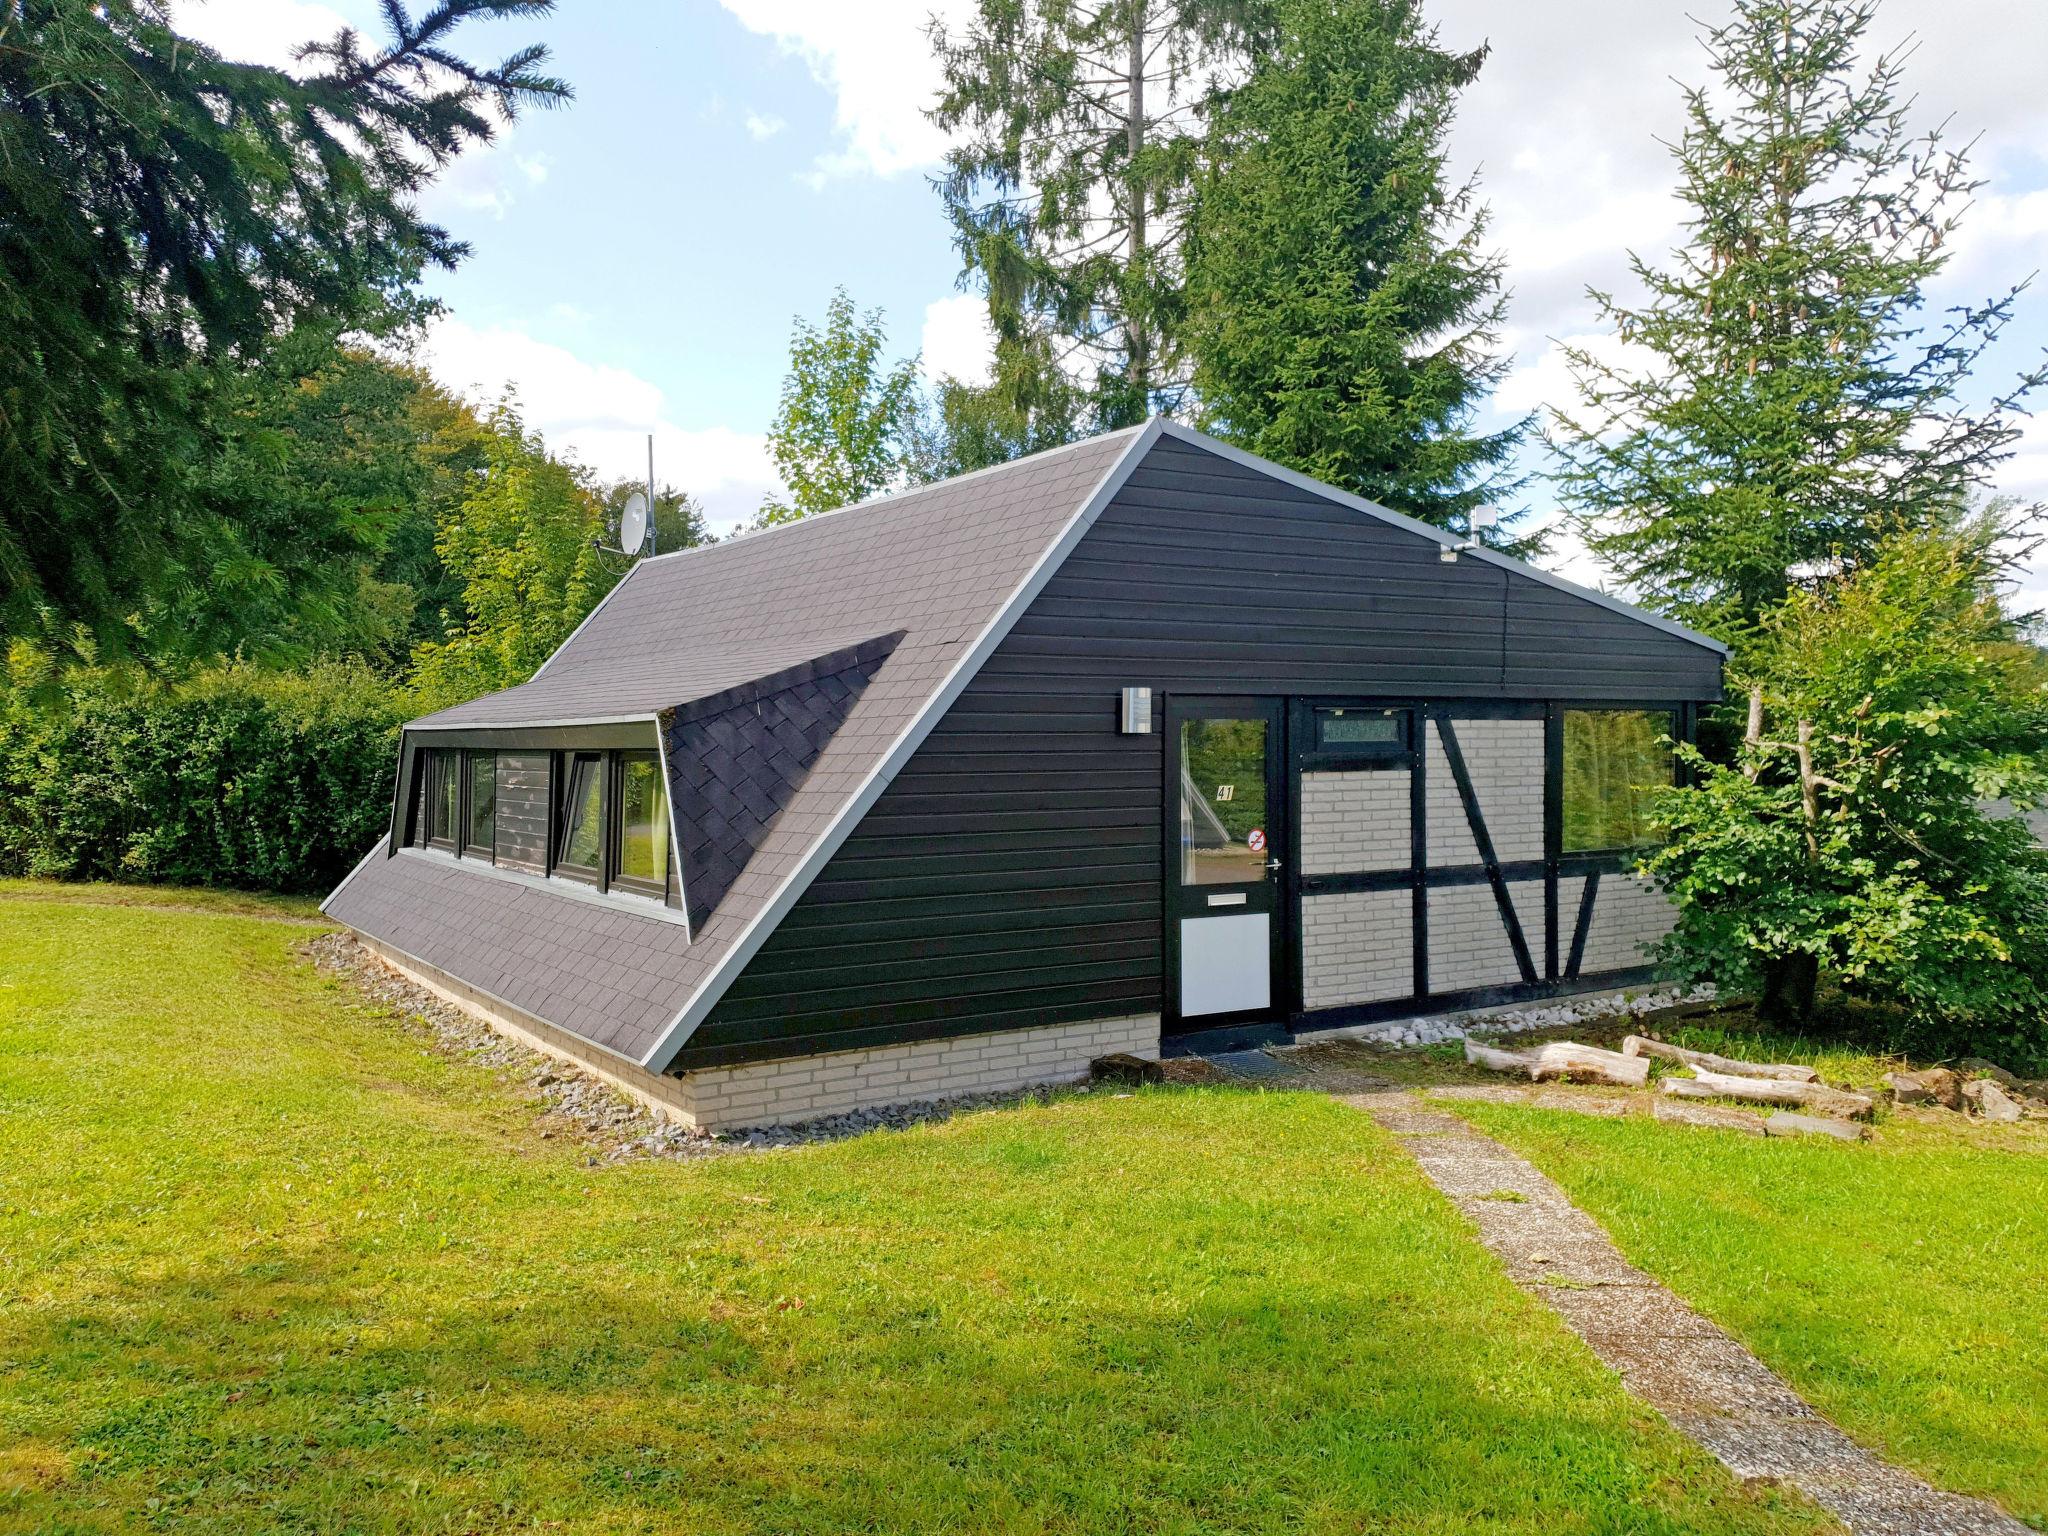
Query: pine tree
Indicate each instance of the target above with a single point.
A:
(165, 216)
(1794, 407)
(1343, 316)
(1070, 186)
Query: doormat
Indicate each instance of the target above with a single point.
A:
(1255, 1064)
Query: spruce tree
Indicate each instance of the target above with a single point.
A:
(1343, 315)
(1794, 405)
(165, 216)
(1069, 187)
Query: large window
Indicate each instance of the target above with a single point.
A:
(599, 817)
(1615, 760)
(611, 821)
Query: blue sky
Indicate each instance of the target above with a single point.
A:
(639, 254)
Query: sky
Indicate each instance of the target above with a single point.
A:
(639, 255)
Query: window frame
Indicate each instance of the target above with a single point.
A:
(468, 849)
(1673, 733)
(1399, 747)
(561, 783)
(615, 826)
(432, 783)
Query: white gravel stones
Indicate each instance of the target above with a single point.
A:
(1493, 1022)
(613, 1127)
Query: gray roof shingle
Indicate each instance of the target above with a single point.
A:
(938, 563)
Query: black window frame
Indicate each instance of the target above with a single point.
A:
(615, 827)
(440, 761)
(468, 849)
(1674, 732)
(561, 782)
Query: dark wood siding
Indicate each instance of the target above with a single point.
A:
(523, 810)
(1011, 873)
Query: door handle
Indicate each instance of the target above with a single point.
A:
(1272, 863)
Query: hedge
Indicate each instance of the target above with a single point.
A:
(236, 777)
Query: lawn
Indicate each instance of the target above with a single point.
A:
(1900, 1284)
(268, 1263)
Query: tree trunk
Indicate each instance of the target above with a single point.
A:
(1136, 341)
(1790, 982)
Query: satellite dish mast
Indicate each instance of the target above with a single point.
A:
(636, 518)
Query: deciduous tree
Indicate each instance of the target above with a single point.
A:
(848, 422)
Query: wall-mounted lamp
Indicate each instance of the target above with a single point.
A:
(1483, 520)
(1134, 718)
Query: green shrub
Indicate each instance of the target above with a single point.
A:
(234, 776)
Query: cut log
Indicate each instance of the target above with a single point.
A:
(1523, 1062)
(1565, 1059)
(1577, 1063)
(1638, 1045)
(1763, 1090)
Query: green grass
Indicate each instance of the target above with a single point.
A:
(1900, 1284)
(268, 1264)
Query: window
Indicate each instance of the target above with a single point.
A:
(480, 818)
(579, 848)
(443, 793)
(1362, 732)
(1222, 802)
(643, 824)
(1614, 762)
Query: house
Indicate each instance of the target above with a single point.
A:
(1133, 745)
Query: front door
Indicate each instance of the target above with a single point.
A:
(1224, 915)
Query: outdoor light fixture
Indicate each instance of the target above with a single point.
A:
(1483, 518)
(1136, 716)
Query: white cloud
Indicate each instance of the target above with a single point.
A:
(600, 416)
(875, 61)
(761, 127)
(259, 31)
(957, 341)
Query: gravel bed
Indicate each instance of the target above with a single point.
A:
(576, 1105)
(1492, 1023)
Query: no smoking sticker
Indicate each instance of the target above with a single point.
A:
(1257, 840)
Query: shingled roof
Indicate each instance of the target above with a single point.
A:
(939, 565)
(848, 636)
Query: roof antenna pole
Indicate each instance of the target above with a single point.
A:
(653, 538)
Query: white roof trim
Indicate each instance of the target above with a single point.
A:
(764, 922)
(643, 718)
(1437, 535)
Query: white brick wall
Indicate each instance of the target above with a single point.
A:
(1468, 943)
(1356, 947)
(805, 1087)
(1354, 821)
(1505, 759)
(1628, 913)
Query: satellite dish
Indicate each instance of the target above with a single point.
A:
(633, 523)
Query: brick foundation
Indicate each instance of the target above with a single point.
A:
(807, 1087)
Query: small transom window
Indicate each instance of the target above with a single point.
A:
(1361, 732)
